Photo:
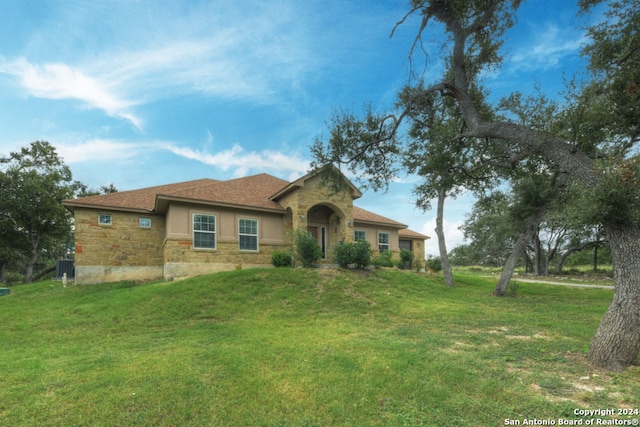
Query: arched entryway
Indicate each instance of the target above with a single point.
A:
(326, 222)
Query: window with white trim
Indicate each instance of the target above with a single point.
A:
(383, 242)
(248, 234)
(144, 222)
(104, 219)
(359, 235)
(204, 231)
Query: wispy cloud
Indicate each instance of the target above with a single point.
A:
(60, 81)
(235, 160)
(99, 149)
(259, 54)
(241, 162)
(547, 50)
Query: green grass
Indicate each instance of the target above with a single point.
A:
(283, 347)
(582, 274)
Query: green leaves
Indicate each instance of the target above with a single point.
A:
(368, 147)
(33, 182)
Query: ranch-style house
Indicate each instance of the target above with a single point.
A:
(204, 226)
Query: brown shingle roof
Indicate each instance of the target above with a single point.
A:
(363, 215)
(143, 199)
(412, 234)
(252, 191)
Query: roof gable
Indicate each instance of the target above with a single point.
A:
(250, 192)
(299, 183)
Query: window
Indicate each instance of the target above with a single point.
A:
(204, 231)
(383, 242)
(248, 234)
(144, 222)
(359, 235)
(104, 219)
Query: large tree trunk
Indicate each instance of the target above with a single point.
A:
(28, 274)
(518, 249)
(537, 250)
(44, 272)
(617, 341)
(510, 265)
(442, 245)
(35, 255)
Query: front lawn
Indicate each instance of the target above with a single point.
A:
(302, 347)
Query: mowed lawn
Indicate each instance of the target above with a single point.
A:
(302, 347)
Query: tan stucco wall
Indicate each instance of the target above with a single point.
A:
(271, 226)
(120, 251)
(372, 235)
(182, 260)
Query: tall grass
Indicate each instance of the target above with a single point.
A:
(292, 347)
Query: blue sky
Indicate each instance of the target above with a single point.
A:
(140, 93)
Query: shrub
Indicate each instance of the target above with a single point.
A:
(281, 258)
(343, 254)
(385, 259)
(417, 266)
(362, 254)
(353, 253)
(11, 279)
(307, 250)
(434, 263)
(406, 257)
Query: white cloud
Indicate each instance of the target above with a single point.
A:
(236, 159)
(100, 150)
(242, 162)
(60, 81)
(551, 45)
(453, 235)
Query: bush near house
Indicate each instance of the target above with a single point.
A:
(281, 258)
(406, 258)
(385, 259)
(307, 250)
(353, 253)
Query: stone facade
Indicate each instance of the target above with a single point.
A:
(134, 244)
(336, 217)
(182, 260)
(122, 250)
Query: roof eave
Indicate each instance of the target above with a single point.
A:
(71, 205)
(388, 224)
(161, 207)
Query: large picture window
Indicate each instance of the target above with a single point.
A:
(204, 231)
(248, 234)
(383, 242)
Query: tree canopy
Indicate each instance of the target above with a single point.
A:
(592, 146)
(33, 182)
